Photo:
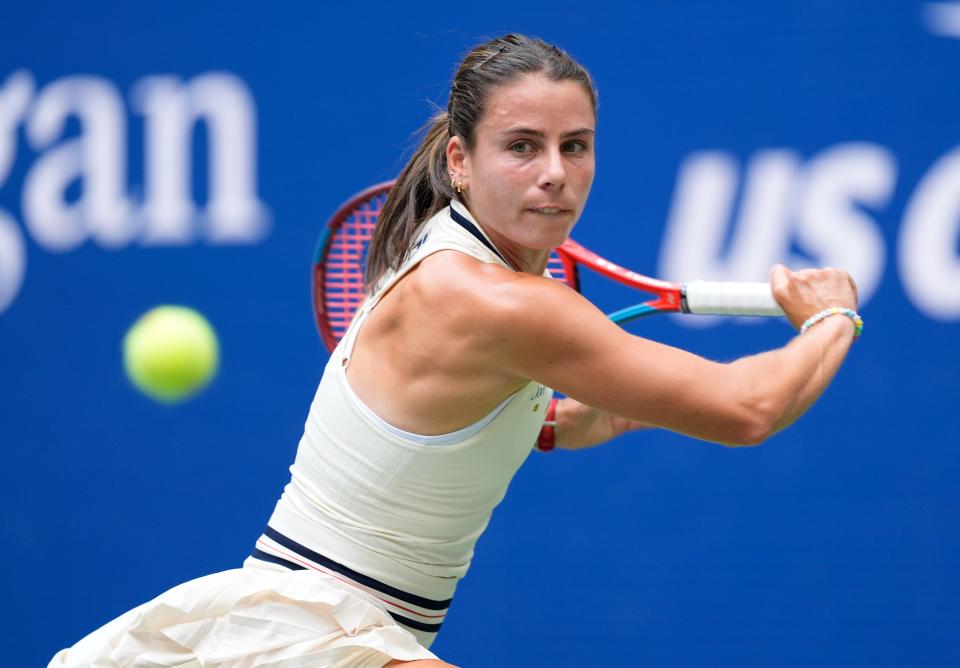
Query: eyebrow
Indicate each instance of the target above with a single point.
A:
(540, 133)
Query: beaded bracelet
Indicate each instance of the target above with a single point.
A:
(835, 310)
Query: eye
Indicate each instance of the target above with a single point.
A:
(575, 146)
(521, 147)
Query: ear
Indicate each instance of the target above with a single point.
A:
(457, 158)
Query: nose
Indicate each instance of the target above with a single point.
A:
(553, 174)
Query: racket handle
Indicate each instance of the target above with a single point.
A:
(727, 298)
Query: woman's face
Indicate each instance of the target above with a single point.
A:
(529, 173)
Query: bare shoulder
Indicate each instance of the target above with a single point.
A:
(516, 322)
(488, 299)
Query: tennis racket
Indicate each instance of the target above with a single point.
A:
(341, 249)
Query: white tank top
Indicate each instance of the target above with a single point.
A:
(394, 513)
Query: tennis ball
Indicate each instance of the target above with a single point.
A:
(170, 353)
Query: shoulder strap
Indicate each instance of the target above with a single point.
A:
(474, 231)
(452, 228)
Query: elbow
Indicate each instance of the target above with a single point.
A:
(750, 437)
(750, 406)
(753, 427)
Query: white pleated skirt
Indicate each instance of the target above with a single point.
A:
(250, 617)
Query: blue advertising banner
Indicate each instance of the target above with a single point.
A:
(184, 153)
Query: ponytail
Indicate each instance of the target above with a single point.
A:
(422, 189)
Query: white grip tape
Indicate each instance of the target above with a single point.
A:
(724, 298)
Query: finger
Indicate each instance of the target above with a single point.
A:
(779, 276)
(807, 274)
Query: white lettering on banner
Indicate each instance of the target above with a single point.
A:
(96, 161)
(97, 158)
(942, 18)
(929, 265)
(693, 239)
(13, 260)
(831, 224)
(696, 234)
(785, 202)
(172, 110)
(15, 95)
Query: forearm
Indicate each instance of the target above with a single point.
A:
(783, 384)
(580, 426)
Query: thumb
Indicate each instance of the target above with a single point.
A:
(780, 283)
(779, 277)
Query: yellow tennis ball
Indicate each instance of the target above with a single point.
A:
(170, 353)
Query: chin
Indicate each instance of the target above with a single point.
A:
(550, 242)
(550, 234)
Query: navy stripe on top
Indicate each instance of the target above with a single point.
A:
(414, 624)
(472, 229)
(406, 621)
(274, 559)
(367, 581)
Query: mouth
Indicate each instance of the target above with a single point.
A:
(550, 210)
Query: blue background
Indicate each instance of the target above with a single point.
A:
(834, 544)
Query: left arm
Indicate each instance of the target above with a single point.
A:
(580, 426)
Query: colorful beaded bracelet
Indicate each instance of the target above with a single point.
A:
(835, 310)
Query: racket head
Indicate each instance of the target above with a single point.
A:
(339, 259)
(340, 255)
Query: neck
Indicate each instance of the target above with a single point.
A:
(519, 258)
(528, 260)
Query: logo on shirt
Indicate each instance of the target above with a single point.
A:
(537, 393)
(419, 242)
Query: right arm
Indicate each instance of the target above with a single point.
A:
(547, 332)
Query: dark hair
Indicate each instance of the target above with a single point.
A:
(423, 187)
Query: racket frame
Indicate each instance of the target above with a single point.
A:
(323, 310)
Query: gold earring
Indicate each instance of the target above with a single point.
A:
(459, 184)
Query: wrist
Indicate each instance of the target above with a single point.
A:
(547, 440)
(850, 316)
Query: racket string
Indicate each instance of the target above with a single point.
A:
(343, 271)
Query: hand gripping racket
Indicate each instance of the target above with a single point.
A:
(341, 249)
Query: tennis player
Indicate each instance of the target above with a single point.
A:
(439, 389)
